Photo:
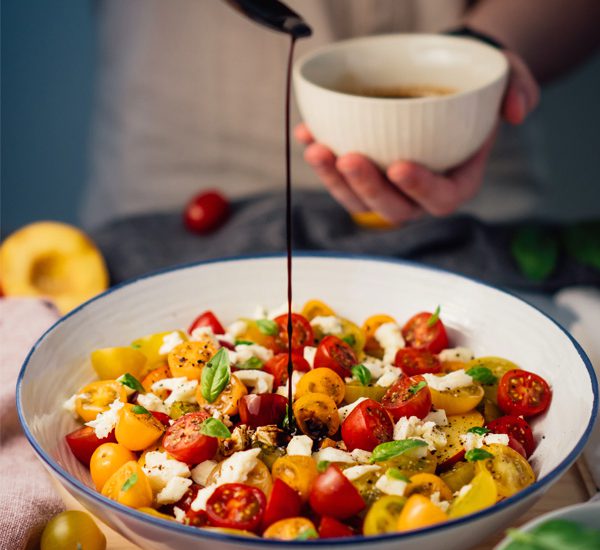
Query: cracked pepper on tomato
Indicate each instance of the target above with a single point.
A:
(390, 429)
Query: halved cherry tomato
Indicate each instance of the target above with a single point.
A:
(278, 367)
(321, 380)
(316, 415)
(355, 390)
(207, 319)
(459, 475)
(106, 460)
(159, 373)
(299, 472)
(110, 363)
(96, 397)
(427, 485)
(262, 410)
(129, 486)
(302, 333)
(83, 442)
(253, 333)
(283, 502)
(197, 519)
(188, 358)
(331, 528)
(152, 346)
(236, 506)
(383, 515)
(457, 401)
(332, 494)
(163, 418)
(403, 398)
(291, 529)
(228, 400)
(414, 361)
(419, 512)
(523, 393)
(316, 308)
(481, 494)
(367, 426)
(516, 427)
(516, 446)
(136, 430)
(333, 353)
(206, 211)
(369, 327)
(458, 425)
(259, 476)
(418, 334)
(184, 441)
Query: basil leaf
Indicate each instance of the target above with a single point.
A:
(362, 374)
(483, 375)
(582, 241)
(131, 382)
(251, 363)
(434, 317)
(558, 534)
(478, 454)
(395, 473)
(479, 430)
(388, 450)
(535, 251)
(309, 533)
(268, 326)
(322, 465)
(417, 387)
(138, 409)
(215, 375)
(243, 343)
(131, 481)
(215, 428)
(350, 339)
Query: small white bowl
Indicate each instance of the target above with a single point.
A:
(439, 132)
(488, 320)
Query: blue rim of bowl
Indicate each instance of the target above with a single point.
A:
(359, 539)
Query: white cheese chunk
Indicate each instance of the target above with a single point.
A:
(451, 381)
(499, 439)
(332, 454)
(181, 389)
(438, 417)
(245, 352)
(152, 402)
(361, 456)
(456, 354)
(463, 491)
(106, 421)
(259, 381)
(443, 505)
(345, 411)
(414, 428)
(472, 440)
(170, 342)
(300, 445)
(389, 336)
(160, 468)
(236, 468)
(235, 329)
(174, 490)
(355, 472)
(309, 355)
(201, 473)
(389, 376)
(374, 366)
(390, 486)
(179, 514)
(202, 497)
(204, 334)
(329, 324)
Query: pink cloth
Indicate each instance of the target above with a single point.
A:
(27, 498)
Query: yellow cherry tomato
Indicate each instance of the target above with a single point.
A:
(481, 494)
(458, 425)
(428, 484)
(353, 336)
(228, 400)
(110, 363)
(159, 373)
(316, 308)
(72, 530)
(156, 346)
(106, 460)
(410, 465)
(419, 512)
(299, 472)
(96, 398)
(458, 401)
(451, 366)
(371, 220)
(510, 471)
(129, 486)
(136, 428)
(355, 390)
(383, 516)
(372, 346)
(259, 476)
(155, 513)
(188, 358)
(290, 529)
(499, 368)
(254, 334)
(322, 380)
(316, 415)
(459, 475)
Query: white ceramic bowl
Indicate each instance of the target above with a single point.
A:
(439, 132)
(484, 318)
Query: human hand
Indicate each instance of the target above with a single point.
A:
(407, 190)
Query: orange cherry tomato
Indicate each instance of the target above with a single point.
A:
(316, 308)
(322, 380)
(130, 486)
(159, 373)
(369, 327)
(316, 415)
(419, 512)
(106, 460)
(96, 398)
(291, 529)
(299, 472)
(228, 400)
(137, 428)
(188, 358)
(427, 485)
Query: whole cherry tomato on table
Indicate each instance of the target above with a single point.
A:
(302, 332)
(515, 427)
(72, 529)
(523, 393)
(333, 353)
(206, 211)
(407, 397)
(425, 331)
(367, 426)
(236, 506)
(83, 442)
(207, 319)
(184, 441)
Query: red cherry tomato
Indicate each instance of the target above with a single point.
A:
(367, 426)
(515, 445)
(262, 410)
(278, 364)
(206, 212)
(302, 332)
(334, 495)
(184, 441)
(414, 361)
(522, 393)
(517, 428)
(402, 399)
(163, 418)
(331, 528)
(333, 353)
(418, 334)
(83, 442)
(283, 503)
(236, 506)
(197, 519)
(207, 319)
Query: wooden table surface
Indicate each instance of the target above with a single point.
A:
(572, 488)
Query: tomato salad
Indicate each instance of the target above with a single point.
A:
(391, 429)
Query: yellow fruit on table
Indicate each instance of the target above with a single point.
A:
(371, 220)
(53, 260)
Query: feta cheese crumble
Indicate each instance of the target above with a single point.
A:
(443, 505)
(181, 389)
(283, 390)
(174, 490)
(245, 352)
(106, 421)
(300, 445)
(160, 468)
(451, 381)
(332, 454)
(390, 486)
(309, 355)
(414, 428)
(374, 366)
(472, 440)
(329, 324)
(355, 472)
(202, 334)
(201, 473)
(389, 336)
(170, 342)
(259, 381)
(152, 402)
(389, 376)
(438, 417)
(456, 354)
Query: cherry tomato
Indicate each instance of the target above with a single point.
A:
(110, 363)
(262, 410)
(106, 460)
(197, 519)
(302, 332)
(367, 426)
(129, 486)
(96, 397)
(481, 494)
(458, 424)
(228, 400)
(259, 476)
(184, 441)
(283, 502)
(516, 427)
(163, 418)
(321, 381)
(402, 399)
(136, 430)
(419, 512)
(83, 442)
(236, 506)
(159, 373)
(333, 353)
(188, 358)
(331, 528)
(523, 393)
(151, 346)
(414, 361)
(291, 529)
(278, 367)
(207, 319)
(427, 484)
(206, 211)
(71, 530)
(355, 390)
(418, 334)
(382, 517)
(515, 445)
(332, 494)
(299, 472)
(316, 308)
(316, 415)
(457, 401)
